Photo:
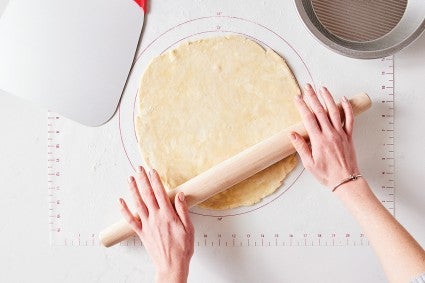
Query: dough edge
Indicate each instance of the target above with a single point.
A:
(275, 173)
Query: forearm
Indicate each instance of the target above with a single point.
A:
(401, 256)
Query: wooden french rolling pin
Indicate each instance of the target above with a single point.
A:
(232, 171)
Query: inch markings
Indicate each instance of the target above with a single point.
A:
(386, 95)
(59, 235)
(53, 175)
(229, 240)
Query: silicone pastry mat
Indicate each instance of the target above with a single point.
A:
(88, 167)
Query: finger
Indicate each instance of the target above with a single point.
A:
(309, 120)
(147, 193)
(137, 198)
(302, 148)
(183, 212)
(159, 191)
(349, 116)
(333, 110)
(134, 223)
(317, 108)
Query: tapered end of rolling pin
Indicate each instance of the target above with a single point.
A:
(115, 233)
(360, 103)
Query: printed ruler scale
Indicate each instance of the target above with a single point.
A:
(212, 232)
(53, 174)
(387, 93)
(55, 186)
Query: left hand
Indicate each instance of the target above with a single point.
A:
(166, 233)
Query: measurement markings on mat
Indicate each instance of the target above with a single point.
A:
(53, 175)
(280, 240)
(59, 235)
(386, 96)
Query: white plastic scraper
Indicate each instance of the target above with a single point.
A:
(73, 57)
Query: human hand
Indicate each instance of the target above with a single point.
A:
(166, 233)
(331, 156)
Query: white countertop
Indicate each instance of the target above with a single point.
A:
(26, 255)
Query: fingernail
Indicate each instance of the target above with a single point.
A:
(293, 136)
(308, 86)
(150, 173)
(130, 179)
(181, 196)
(298, 97)
(323, 89)
(344, 99)
(139, 169)
(121, 201)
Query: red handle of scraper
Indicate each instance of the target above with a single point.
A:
(143, 4)
(231, 171)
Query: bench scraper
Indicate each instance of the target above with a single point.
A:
(72, 57)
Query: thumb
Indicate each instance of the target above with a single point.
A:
(183, 211)
(302, 147)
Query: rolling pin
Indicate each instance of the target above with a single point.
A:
(232, 171)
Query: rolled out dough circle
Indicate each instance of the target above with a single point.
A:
(207, 100)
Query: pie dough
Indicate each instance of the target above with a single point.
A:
(207, 100)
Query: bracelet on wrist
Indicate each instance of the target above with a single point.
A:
(352, 177)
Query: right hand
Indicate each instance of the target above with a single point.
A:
(331, 157)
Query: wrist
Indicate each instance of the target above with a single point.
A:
(350, 178)
(353, 190)
(174, 275)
